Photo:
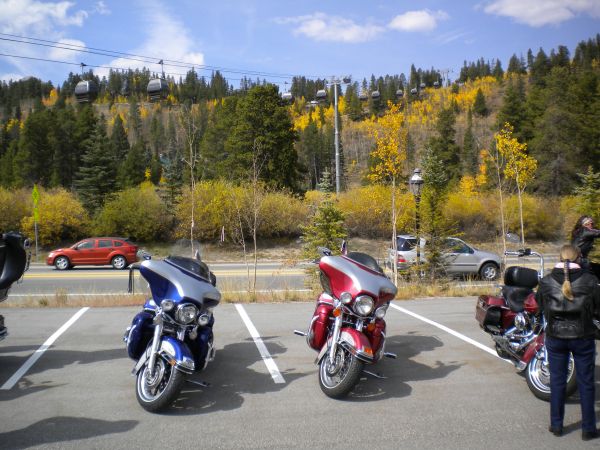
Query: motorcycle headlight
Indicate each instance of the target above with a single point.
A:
(380, 312)
(363, 305)
(346, 297)
(167, 305)
(186, 313)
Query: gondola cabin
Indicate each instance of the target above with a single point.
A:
(157, 89)
(399, 93)
(413, 91)
(436, 84)
(86, 91)
(375, 95)
(363, 96)
(321, 94)
(287, 96)
(422, 85)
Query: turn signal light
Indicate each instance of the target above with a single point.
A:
(337, 312)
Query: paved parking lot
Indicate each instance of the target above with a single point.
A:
(441, 392)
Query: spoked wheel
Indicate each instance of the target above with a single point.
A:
(538, 377)
(337, 378)
(157, 392)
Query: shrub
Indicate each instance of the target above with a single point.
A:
(368, 211)
(14, 206)
(282, 215)
(137, 212)
(62, 218)
(468, 213)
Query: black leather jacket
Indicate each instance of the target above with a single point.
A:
(569, 319)
(585, 240)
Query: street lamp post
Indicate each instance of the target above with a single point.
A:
(416, 185)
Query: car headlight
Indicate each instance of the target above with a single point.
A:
(363, 305)
(380, 312)
(186, 313)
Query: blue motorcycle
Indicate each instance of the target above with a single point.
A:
(172, 337)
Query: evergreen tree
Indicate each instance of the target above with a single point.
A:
(135, 121)
(133, 170)
(326, 230)
(513, 107)
(119, 141)
(62, 135)
(96, 176)
(263, 121)
(443, 146)
(35, 153)
(479, 106)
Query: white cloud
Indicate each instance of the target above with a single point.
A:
(166, 38)
(31, 17)
(101, 8)
(62, 54)
(537, 13)
(322, 27)
(423, 20)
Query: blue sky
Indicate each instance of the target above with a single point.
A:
(312, 38)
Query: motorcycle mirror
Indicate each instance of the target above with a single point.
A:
(324, 251)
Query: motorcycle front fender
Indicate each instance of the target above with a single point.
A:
(174, 352)
(354, 342)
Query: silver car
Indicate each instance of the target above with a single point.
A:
(460, 259)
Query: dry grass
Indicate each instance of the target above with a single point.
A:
(406, 291)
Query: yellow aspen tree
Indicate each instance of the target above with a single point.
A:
(519, 166)
(391, 136)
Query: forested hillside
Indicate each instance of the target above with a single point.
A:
(122, 153)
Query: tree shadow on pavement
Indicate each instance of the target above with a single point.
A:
(238, 369)
(62, 429)
(401, 371)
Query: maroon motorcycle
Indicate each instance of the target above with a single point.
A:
(510, 319)
(347, 327)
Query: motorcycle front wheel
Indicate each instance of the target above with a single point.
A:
(156, 392)
(538, 377)
(337, 378)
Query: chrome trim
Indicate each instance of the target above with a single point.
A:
(158, 327)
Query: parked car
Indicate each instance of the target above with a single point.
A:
(118, 252)
(460, 259)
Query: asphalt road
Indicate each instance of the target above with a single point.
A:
(46, 280)
(441, 392)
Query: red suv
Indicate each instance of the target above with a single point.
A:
(118, 252)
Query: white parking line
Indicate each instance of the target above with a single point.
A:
(266, 356)
(40, 351)
(450, 331)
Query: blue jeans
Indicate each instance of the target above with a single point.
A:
(584, 353)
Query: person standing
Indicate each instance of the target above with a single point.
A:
(569, 299)
(582, 237)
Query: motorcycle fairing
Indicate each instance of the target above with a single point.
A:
(533, 348)
(347, 275)
(168, 281)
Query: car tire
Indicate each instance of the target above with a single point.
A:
(62, 263)
(118, 262)
(489, 271)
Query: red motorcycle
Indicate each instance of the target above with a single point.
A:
(347, 327)
(519, 337)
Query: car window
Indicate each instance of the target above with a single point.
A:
(455, 246)
(405, 244)
(85, 244)
(104, 243)
(118, 244)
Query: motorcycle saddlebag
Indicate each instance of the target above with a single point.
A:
(488, 316)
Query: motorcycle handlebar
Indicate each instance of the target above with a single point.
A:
(523, 252)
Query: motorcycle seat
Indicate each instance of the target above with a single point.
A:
(515, 297)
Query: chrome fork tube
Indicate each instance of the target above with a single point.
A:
(155, 342)
(337, 326)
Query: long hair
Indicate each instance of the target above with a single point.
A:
(578, 226)
(568, 254)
